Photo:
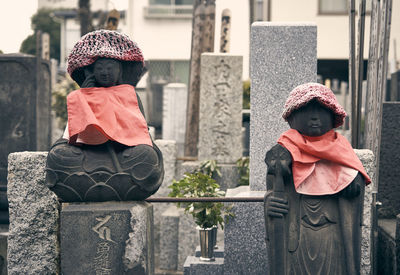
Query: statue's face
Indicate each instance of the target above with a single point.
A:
(107, 72)
(312, 119)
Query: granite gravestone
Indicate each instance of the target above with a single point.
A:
(25, 118)
(389, 172)
(174, 114)
(33, 245)
(220, 124)
(282, 56)
(107, 238)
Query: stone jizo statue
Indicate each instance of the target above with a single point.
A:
(106, 152)
(315, 183)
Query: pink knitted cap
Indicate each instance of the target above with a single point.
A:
(102, 43)
(304, 93)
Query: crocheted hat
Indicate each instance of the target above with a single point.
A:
(101, 43)
(304, 93)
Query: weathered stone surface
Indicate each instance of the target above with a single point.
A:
(25, 118)
(34, 219)
(3, 249)
(188, 238)
(168, 149)
(282, 56)
(245, 246)
(367, 159)
(169, 238)
(220, 122)
(193, 266)
(389, 172)
(174, 114)
(108, 237)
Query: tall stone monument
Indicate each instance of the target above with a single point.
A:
(282, 56)
(220, 123)
(25, 102)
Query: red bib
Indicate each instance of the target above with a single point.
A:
(111, 112)
(332, 149)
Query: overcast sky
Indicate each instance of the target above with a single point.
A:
(15, 21)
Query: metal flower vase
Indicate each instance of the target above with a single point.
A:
(207, 242)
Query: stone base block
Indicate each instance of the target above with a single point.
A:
(169, 238)
(193, 266)
(33, 246)
(245, 246)
(107, 238)
(229, 173)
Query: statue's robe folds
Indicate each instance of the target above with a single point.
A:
(322, 233)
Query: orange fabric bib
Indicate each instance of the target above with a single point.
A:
(332, 149)
(111, 112)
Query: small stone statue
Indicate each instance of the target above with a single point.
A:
(315, 183)
(106, 152)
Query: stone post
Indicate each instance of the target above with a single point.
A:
(220, 126)
(34, 219)
(174, 114)
(282, 56)
(224, 43)
(202, 41)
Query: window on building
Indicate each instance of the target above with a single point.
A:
(168, 71)
(169, 8)
(336, 7)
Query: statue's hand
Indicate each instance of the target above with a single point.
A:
(90, 80)
(276, 207)
(352, 190)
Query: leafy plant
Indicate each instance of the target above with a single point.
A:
(244, 170)
(195, 185)
(209, 167)
(59, 94)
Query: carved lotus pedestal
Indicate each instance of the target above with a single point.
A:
(106, 172)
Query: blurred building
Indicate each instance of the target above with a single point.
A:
(331, 17)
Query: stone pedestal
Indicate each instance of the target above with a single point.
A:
(220, 125)
(245, 246)
(282, 56)
(34, 219)
(107, 238)
(174, 114)
(193, 266)
(169, 239)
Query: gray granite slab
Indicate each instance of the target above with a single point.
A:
(245, 246)
(107, 238)
(169, 238)
(220, 116)
(194, 266)
(389, 172)
(33, 246)
(282, 56)
(174, 114)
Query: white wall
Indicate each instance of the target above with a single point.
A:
(170, 39)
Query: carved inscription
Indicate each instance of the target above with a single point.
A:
(101, 261)
(221, 111)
